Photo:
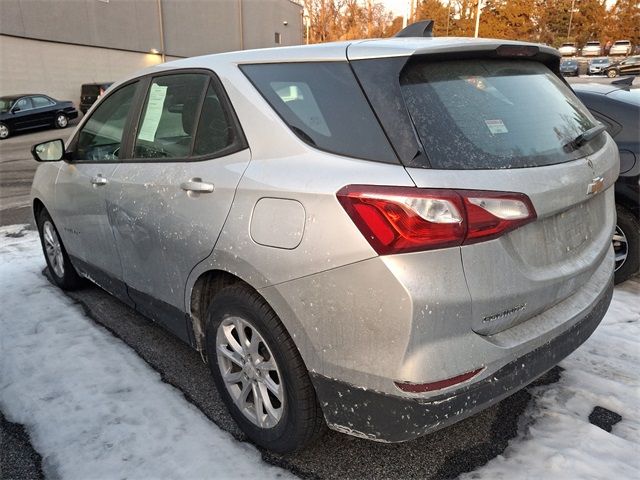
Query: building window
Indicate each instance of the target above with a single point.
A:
(278, 38)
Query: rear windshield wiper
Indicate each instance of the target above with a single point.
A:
(583, 138)
(303, 135)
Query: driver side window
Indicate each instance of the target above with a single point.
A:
(101, 136)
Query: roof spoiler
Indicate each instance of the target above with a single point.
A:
(418, 29)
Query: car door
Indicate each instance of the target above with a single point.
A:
(43, 110)
(170, 202)
(82, 186)
(631, 66)
(21, 113)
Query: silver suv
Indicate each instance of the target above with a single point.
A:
(383, 236)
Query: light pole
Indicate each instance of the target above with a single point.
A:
(477, 20)
(161, 27)
(573, 4)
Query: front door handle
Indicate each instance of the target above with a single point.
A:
(196, 185)
(98, 180)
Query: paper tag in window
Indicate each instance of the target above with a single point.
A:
(496, 126)
(155, 104)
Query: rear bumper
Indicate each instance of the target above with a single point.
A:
(389, 418)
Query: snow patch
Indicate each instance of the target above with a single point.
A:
(92, 407)
(556, 439)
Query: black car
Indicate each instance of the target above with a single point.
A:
(628, 66)
(569, 68)
(24, 112)
(90, 92)
(617, 106)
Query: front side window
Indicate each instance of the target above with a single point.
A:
(23, 104)
(488, 114)
(323, 105)
(168, 121)
(39, 102)
(100, 138)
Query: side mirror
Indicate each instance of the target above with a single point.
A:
(50, 151)
(15, 109)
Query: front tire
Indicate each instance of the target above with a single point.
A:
(260, 373)
(4, 131)
(626, 245)
(58, 262)
(61, 121)
(612, 73)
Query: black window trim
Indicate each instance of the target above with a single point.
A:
(134, 117)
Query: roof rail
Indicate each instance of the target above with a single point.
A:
(418, 29)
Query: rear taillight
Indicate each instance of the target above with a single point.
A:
(407, 219)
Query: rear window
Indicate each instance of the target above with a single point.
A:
(490, 114)
(90, 90)
(323, 105)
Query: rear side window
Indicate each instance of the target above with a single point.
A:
(169, 118)
(215, 128)
(489, 114)
(324, 106)
(39, 102)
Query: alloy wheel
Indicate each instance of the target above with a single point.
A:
(4, 131)
(62, 121)
(250, 372)
(620, 247)
(53, 247)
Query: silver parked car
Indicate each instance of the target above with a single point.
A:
(385, 236)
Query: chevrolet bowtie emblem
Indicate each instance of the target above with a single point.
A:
(596, 186)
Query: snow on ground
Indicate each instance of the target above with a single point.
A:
(93, 408)
(556, 440)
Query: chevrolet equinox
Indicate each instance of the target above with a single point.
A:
(381, 236)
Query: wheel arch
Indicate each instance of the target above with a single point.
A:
(210, 282)
(37, 206)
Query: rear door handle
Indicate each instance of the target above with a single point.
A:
(196, 185)
(98, 180)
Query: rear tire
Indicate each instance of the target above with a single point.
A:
(243, 332)
(61, 121)
(58, 262)
(626, 242)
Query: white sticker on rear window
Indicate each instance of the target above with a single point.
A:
(496, 126)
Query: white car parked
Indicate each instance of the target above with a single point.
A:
(568, 49)
(621, 47)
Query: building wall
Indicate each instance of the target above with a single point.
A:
(54, 46)
(190, 27)
(58, 69)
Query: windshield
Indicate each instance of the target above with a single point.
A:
(600, 60)
(494, 114)
(570, 63)
(6, 103)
